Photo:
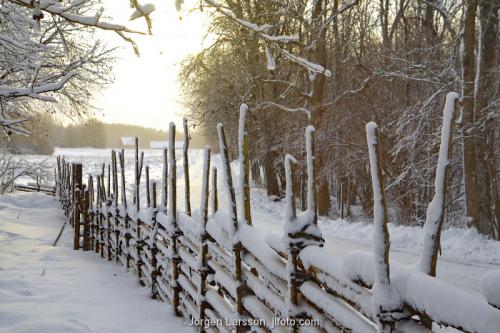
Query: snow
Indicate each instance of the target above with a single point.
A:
(164, 144)
(446, 303)
(45, 289)
(271, 64)
(490, 287)
(144, 10)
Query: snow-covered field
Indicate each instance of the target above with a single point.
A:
(42, 287)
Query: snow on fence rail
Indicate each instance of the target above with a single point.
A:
(215, 268)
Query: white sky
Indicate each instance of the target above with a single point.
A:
(146, 91)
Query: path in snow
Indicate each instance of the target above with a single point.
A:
(45, 289)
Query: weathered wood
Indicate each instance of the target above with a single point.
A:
(148, 194)
(164, 184)
(86, 220)
(187, 196)
(232, 212)
(381, 233)
(204, 269)
(244, 165)
(109, 182)
(154, 194)
(77, 186)
(172, 215)
(214, 199)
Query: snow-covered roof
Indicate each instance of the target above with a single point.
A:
(164, 144)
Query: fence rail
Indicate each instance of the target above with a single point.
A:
(215, 268)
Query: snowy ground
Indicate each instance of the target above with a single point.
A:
(57, 287)
(45, 289)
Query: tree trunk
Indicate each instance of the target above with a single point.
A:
(318, 55)
(485, 132)
(272, 186)
(469, 151)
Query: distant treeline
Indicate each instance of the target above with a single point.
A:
(47, 134)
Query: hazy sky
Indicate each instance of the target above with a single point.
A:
(146, 91)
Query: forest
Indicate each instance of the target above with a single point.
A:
(340, 64)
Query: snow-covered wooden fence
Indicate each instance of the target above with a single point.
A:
(215, 268)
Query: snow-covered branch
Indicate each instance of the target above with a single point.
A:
(35, 92)
(273, 40)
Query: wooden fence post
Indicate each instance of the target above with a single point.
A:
(164, 183)
(172, 216)
(244, 166)
(154, 194)
(124, 202)
(434, 222)
(77, 186)
(187, 197)
(381, 234)
(153, 247)
(204, 269)
(86, 220)
(232, 212)
(293, 250)
(138, 241)
(214, 199)
(148, 194)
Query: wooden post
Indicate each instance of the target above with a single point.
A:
(138, 242)
(77, 186)
(312, 203)
(436, 212)
(86, 220)
(237, 247)
(172, 215)
(91, 212)
(164, 185)
(204, 269)
(153, 248)
(215, 202)
(293, 247)
(154, 194)
(124, 202)
(100, 231)
(115, 177)
(109, 182)
(136, 183)
(244, 165)
(122, 169)
(187, 208)
(148, 194)
(381, 233)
